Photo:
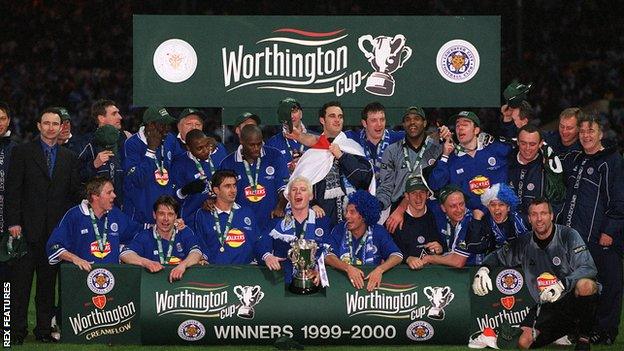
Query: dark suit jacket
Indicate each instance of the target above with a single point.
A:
(34, 200)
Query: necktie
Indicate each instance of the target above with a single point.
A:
(48, 156)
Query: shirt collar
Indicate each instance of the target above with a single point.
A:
(141, 134)
(7, 134)
(220, 211)
(179, 136)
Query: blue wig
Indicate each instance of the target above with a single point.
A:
(367, 206)
(502, 192)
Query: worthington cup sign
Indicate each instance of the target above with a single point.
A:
(253, 62)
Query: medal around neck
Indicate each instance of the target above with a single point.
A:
(302, 254)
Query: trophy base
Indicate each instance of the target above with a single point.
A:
(302, 287)
(379, 83)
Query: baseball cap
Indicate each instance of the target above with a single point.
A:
(414, 183)
(515, 93)
(285, 108)
(415, 110)
(106, 137)
(158, 115)
(245, 116)
(468, 115)
(191, 111)
(448, 190)
(62, 111)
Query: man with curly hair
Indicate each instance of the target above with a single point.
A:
(360, 241)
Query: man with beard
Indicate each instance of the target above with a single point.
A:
(534, 170)
(404, 159)
(502, 223)
(475, 164)
(560, 275)
(147, 162)
(91, 233)
(594, 206)
(263, 175)
(374, 137)
(154, 248)
(360, 241)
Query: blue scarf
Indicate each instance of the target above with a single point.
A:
(381, 147)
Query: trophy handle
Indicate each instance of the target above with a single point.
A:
(238, 290)
(293, 255)
(408, 53)
(399, 39)
(369, 55)
(428, 292)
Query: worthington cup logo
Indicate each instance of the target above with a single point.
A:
(293, 60)
(98, 323)
(389, 301)
(197, 299)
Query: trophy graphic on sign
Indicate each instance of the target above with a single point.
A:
(249, 296)
(387, 55)
(439, 297)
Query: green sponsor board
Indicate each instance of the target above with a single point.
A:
(118, 304)
(252, 62)
(101, 306)
(239, 305)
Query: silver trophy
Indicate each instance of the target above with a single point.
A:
(249, 296)
(387, 55)
(302, 254)
(439, 297)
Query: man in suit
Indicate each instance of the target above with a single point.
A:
(42, 184)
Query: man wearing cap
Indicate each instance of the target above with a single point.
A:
(560, 274)
(360, 241)
(566, 138)
(374, 137)
(228, 233)
(289, 109)
(456, 224)
(335, 165)
(105, 155)
(535, 171)
(404, 159)
(474, 164)
(500, 225)
(42, 184)
(419, 234)
(244, 119)
(92, 232)
(516, 112)
(147, 162)
(263, 175)
(189, 119)
(594, 206)
(66, 138)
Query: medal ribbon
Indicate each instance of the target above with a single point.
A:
(577, 183)
(228, 225)
(252, 182)
(101, 239)
(200, 169)
(161, 258)
(363, 240)
(160, 165)
(419, 155)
